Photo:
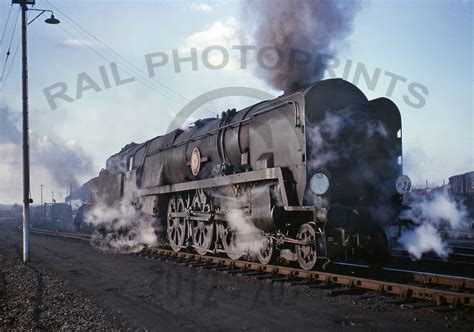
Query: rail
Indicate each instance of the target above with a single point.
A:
(439, 289)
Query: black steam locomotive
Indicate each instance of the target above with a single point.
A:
(315, 173)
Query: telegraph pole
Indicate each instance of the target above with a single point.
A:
(26, 148)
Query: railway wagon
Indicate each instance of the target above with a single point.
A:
(462, 184)
(316, 172)
(462, 188)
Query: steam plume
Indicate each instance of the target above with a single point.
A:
(433, 215)
(121, 227)
(248, 238)
(299, 30)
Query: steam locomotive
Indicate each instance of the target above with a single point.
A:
(315, 174)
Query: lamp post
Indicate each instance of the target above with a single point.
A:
(26, 149)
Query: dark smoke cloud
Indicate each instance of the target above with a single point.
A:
(62, 162)
(316, 27)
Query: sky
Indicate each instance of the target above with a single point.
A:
(427, 43)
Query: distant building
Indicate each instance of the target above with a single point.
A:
(462, 184)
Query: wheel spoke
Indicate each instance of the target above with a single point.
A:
(176, 225)
(266, 254)
(202, 231)
(307, 251)
(228, 237)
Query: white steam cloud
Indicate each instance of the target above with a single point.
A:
(121, 227)
(76, 204)
(248, 238)
(329, 128)
(324, 136)
(433, 215)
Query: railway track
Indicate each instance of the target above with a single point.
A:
(57, 233)
(460, 261)
(435, 288)
(461, 255)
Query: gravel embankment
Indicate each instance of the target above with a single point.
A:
(73, 286)
(31, 298)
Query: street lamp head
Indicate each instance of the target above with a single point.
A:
(52, 20)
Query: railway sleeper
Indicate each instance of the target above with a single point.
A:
(240, 271)
(224, 269)
(323, 285)
(197, 264)
(442, 299)
(304, 282)
(251, 273)
(265, 276)
(280, 279)
(345, 291)
(216, 267)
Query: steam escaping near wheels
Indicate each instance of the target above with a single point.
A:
(246, 237)
(121, 227)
